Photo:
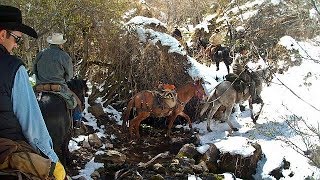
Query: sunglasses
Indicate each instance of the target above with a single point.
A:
(16, 38)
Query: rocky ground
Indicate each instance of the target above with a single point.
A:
(155, 156)
(151, 144)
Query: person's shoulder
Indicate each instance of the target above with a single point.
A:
(65, 53)
(12, 58)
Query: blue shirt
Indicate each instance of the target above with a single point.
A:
(27, 110)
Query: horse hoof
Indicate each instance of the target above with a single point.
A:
(235, 129)
(209, 130)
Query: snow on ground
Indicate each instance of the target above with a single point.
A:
(298, 96)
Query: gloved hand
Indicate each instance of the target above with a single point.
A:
(59, 173)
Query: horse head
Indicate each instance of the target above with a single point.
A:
(79, 87)
(199, 90)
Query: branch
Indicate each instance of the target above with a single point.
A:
(99, 63)
(309, 57)
(313, 2)
(296, 94)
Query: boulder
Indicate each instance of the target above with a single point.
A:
(243, 167)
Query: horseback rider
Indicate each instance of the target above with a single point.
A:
(177, 33)
(242, 46)
(216, 40)
(53, 68)
(23, 133)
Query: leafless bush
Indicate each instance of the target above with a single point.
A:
(309, 134)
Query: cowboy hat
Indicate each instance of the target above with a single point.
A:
(11, 19)
(56, 38)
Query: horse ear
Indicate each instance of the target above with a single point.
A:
(199, 80)
(202, 80)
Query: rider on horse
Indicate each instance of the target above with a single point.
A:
(53, 68)
(243, 48)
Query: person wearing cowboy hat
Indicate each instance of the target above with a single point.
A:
(54, 66)
(23, 133)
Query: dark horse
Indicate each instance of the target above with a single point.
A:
(144, 104)
(58, 117)
(220, 53)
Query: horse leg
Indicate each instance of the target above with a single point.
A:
(135, 123)
(187, 118)
(217, 65)
(171, 119)
(258, 114)
(226, 63)
(227, 117)
(127, 114)
(214, 109)
(251, 109)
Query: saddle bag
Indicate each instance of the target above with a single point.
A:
(48, 87)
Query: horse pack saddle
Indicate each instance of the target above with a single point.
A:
(238, 84)
(166, 96)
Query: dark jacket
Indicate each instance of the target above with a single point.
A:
(53, 65)
(10, 127)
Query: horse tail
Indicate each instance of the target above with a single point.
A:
(127, 113)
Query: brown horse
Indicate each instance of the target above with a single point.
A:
(146, 105)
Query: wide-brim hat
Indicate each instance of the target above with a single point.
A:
(11, 19)
(56, 38)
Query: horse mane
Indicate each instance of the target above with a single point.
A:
(76, 84)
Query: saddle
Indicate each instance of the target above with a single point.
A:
(17, 158)
(69, 97)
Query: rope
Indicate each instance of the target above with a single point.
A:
(226, 89)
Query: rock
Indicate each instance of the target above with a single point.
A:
(82, 178)
(96, 110)
(200, 168)
(94, 140)
(187, 165)
(80, 129)
(211, 157)
(128, 174)
(159, 168)
(188, 150)
(277, 173)
(243, 167)
(157, 177)
(95, 175)
(112, 157)
(85, 144)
